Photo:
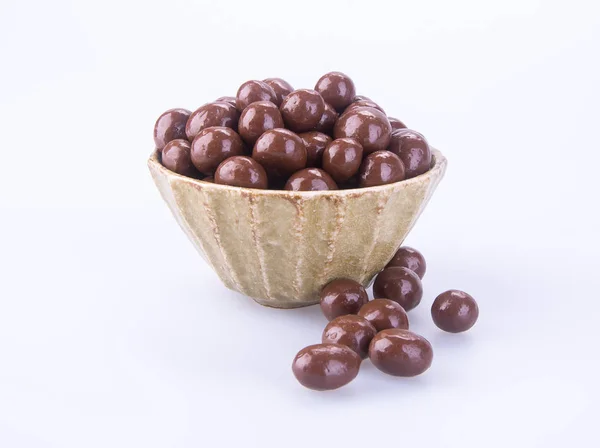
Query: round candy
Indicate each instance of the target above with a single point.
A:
(454, 311)
(280, 152)
(257, 118)
(364, 103)
(410, 258)
(413, 150)
(176, 157)
(227, 99)
(310, 179)
(281, 88)
(252, 91)
(213, 145)
(342, 158)
(396, 124)
(360, 98)
(381, 168)
(241, 171)
(400, 285)
(327, 120)
(352, 331)
(302, 110)
(336, 89)
(400, 352)
(212, 114)
(370, 127)
(315, 143)
(384, 314)
(170, 126)
(342, 296)
(326, 366)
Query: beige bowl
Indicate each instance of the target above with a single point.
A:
(281, 247)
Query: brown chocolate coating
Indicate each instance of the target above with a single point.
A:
(281, 88)
(176, 157)
(384, 314)
(213, 145)
(407, 257)
(326, 366)
(212, 114)
(257, 118)
(400, 285)
(315, 143)
(227, 99)
(352, 331)
(381, 168)
(370, 127)
(364, 103)
(413, 150)
(396, 124)
(342, 158)
(360, 98)
(327, 120)
(302, 109)
(241, 171)
(342, 296)
(454, 311)
(170, 126)
(400, 352)
(310, 179)
(252, 91)
(210, 179)
(280, 152)
(337, 89)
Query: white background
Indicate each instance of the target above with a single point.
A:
(114, 333)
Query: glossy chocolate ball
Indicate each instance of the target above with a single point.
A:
(310, 179)
(252, 91)
(315, 143)
(326, 366)
(258, 118)
(364, 103)
(176, 157)
(407, 257)
(400, 352)
(302, 110)
(413, 150)
(170, 126)
(342, 158)
(213, 145)
(209, 115)
(352, 331)
(336, 89)
(342, 296)
(281, 88)
(384, 314)
(454, 311)
(241, 171)
(227, 99)
(280, 152)
(396, 124)
(327, 120)
(400, 285)
(381, 168)
(370, 127)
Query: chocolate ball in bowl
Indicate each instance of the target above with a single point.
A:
(209, 115)
(327, 120)
(227, 99)
(369, 126)
(170, 126)
(281, 153)
(281, 88)
(407, 257)
(258, 118)
(315, 143)
(176, 156)
(310, 179)
(364, 103)
(302, 110)
(342, 158)
(337, 89)
(342, 296)
(241, 171)
(396, 124)
(413, 150)
(352, 331)
(252, 91)
(400, 285)
(381, 168)
(213, 145)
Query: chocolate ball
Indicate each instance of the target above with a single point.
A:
(352, 331)
(400, 285)
(176, 157)
(336, 89)
(302, 110)
(342, 158)
(257, 118)
(364, 103)
(409, 258)
(310, 179)
(213, 145)
(342, 296)
(252, 91)
(209, 115)
(327, 120)
(380, 168)
(396, 124)
(360, 98)
(241, 171)
(227, 99)
(413, 150)
(326, 366)
(280, 152)
(384, 314)
(281, 88)
(370, 127)
(400, 352)
(315, 143)
(170, 126)
(454, 311)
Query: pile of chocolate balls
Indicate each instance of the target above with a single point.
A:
(272, 136)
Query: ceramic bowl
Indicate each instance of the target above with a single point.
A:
(282, 247)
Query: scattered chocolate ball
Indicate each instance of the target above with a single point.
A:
(280, 152)
(227, 99)
(342, 158)
(400, 285)
(407, 257)
(170, 126)
(302, 110)
(241, 171)
(326, 366)
(381, 168)
(252, 91)
(327, 120)
(213, 145)
(209, 115)
(176, 156)
(369, 126)
(342, 296)
(413, 150)
(281, 88)
(315, 143)
(454, 311)
(352, 331)
(336, 89)
(364, 103)
(400, 352)
(257, 118)
(396, 124)
(384, 314)
(310, 179)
